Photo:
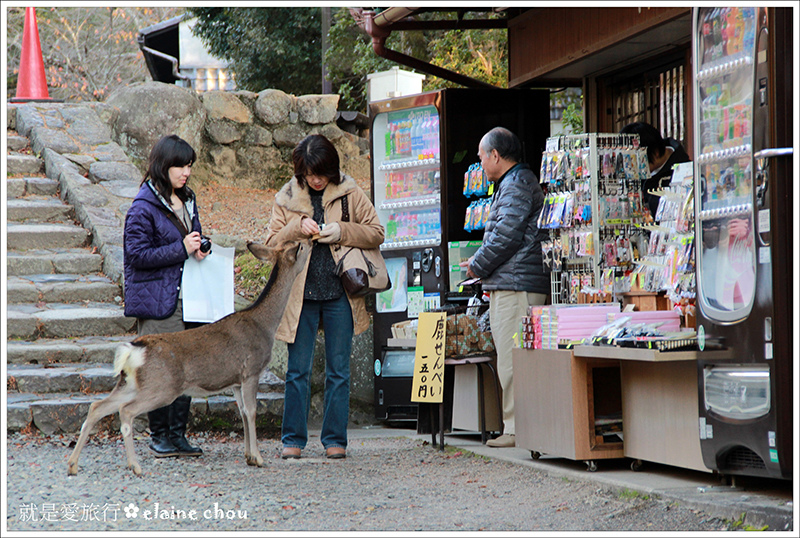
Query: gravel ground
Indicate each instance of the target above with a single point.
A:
(385, 484)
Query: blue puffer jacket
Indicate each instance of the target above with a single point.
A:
(153, 255)
(510, 257)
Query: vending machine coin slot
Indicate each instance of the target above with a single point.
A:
(427, 260)
(416, 261)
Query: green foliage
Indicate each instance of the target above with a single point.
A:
(571, 101)
(251, 275)
(739, 524)
(627, 494)
(278, 48)
(349, 58)
(480, 54)
(573, 118)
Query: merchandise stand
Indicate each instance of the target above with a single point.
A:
(558, 398)
(561, 395)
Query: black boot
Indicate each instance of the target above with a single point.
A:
(159, 433)
(178, 417)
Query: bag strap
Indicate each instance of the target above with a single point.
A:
(345, 209)
(177, 222)
(372, 270)
(340, 263)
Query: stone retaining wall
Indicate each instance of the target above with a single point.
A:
(242, 138)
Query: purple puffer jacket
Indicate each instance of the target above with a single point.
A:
(153, 255)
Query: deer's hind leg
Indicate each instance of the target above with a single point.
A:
(122, 393)
(129, 410)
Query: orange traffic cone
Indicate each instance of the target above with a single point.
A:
(32, 83)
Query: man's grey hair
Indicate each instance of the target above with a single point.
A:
(505, 142)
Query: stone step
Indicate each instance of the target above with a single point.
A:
(86, 378)
(17, 187)
(18, 164)
(56, 320)
(62, 288)
(49, 261)
(57, 413)
(38, 236)
(36, 208)
(42, 379)
(87, 349)
(16, 142)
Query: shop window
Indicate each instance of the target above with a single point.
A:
(655, 94)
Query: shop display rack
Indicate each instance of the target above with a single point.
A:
(593, 212)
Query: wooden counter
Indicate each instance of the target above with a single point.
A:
(555, 401)
(659, 403)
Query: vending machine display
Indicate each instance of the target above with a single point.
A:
(740, 209)
(423, 147)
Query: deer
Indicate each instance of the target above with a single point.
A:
(230, 353)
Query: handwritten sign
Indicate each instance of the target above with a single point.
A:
(428, 383)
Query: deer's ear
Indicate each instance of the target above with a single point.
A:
(263, 253)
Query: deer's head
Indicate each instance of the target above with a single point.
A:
(288, 254)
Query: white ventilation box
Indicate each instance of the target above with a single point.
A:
(393, 83)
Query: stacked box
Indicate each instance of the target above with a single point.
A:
(564, 323)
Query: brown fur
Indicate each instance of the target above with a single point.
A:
(228, 354)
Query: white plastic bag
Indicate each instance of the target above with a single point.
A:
(208, 286)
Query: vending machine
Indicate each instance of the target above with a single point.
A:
(743, 209)
(422, 146)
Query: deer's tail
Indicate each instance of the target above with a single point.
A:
(127, 360)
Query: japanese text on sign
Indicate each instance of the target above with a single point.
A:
(428, 383)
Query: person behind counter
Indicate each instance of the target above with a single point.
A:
(162, 229)
(314, 197)
(509, 261)
(662, 154)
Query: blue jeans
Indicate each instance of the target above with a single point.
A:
(337, 321)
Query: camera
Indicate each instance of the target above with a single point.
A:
(205, 244)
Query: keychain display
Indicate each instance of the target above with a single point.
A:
(593, 211)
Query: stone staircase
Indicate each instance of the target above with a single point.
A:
(65, 316)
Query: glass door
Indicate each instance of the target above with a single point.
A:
(724, 59)
(406, 171)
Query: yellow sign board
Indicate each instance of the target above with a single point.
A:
(428, 383)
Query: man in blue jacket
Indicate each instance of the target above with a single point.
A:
(509, 261)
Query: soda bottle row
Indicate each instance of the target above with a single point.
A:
(729, 183)
(727, 31)
(413, 225)
(411, 183)
(415, 136)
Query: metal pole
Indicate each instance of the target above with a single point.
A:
(327, 87)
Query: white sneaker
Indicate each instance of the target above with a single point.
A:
(504, 441)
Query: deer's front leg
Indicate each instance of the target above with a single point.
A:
(237, 394)
(249, 389)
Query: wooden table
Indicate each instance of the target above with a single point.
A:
(556, 398)
(659, 403)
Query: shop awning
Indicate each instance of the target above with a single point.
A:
(660, 30)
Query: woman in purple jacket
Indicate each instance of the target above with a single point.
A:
(162, 229)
